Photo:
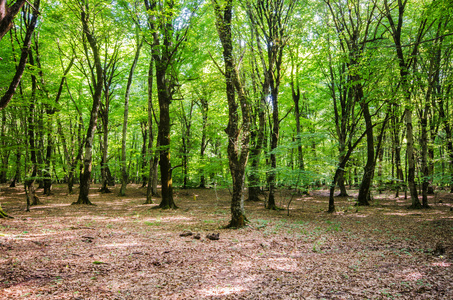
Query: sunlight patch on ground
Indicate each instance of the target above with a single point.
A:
(441, 264)
(118, 245)
(49, 206)
(176, 218)
(218, 291)
(361, 216)
(282, 264)
(402, 214)
(118, 202)
(413, 276)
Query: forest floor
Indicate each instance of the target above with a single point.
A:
(122, 249)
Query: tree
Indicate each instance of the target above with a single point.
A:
(167, 43)
(406, 62)
(271, 19)
(87, 16)
(238, 133)
(110, 80)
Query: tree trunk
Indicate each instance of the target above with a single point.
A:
(144, 128)
(411, 161)
(167, 201)
(424, 153)
(274, 141)
(85, 177)
(104, 144)
(30, 188)
(340, 179)
(399, 180)
(296, 99)
(204, 112)
(124, 173)
(6, 17)
(365, 186)
(404, 67)
(5, 153)
(237, 161)
(152, 154)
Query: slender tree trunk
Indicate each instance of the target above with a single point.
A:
(104, 144)
(144, 128)
(153, 154)
(397, 152)
(4, 153)
(30, 183)
(204, 112)
(296, 99)
(424, 153)
(411, 161)
(274, 141)
(340, 180)
(124, 173)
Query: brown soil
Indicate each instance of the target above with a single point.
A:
(122, 249)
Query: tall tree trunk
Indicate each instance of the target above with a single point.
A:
(30, 183)
(404, 67)
(152, 154)
(274, 141)
(164, 141)
(97, 83)
(204, 141)
(144, 128)
(411, 160)
(399, 179)
(167, 40)
(295, 92)
(124, 173)
(4, 151)
(238, 140)
(103, 145)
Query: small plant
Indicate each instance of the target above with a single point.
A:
(157, 223)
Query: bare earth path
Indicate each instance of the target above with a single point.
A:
(121, 249)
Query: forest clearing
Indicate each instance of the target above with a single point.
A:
(123, 249)
(168, 115)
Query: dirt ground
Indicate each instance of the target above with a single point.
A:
(122, 249)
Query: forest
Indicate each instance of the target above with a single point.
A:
(296, 120)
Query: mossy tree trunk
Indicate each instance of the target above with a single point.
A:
(238, 133)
